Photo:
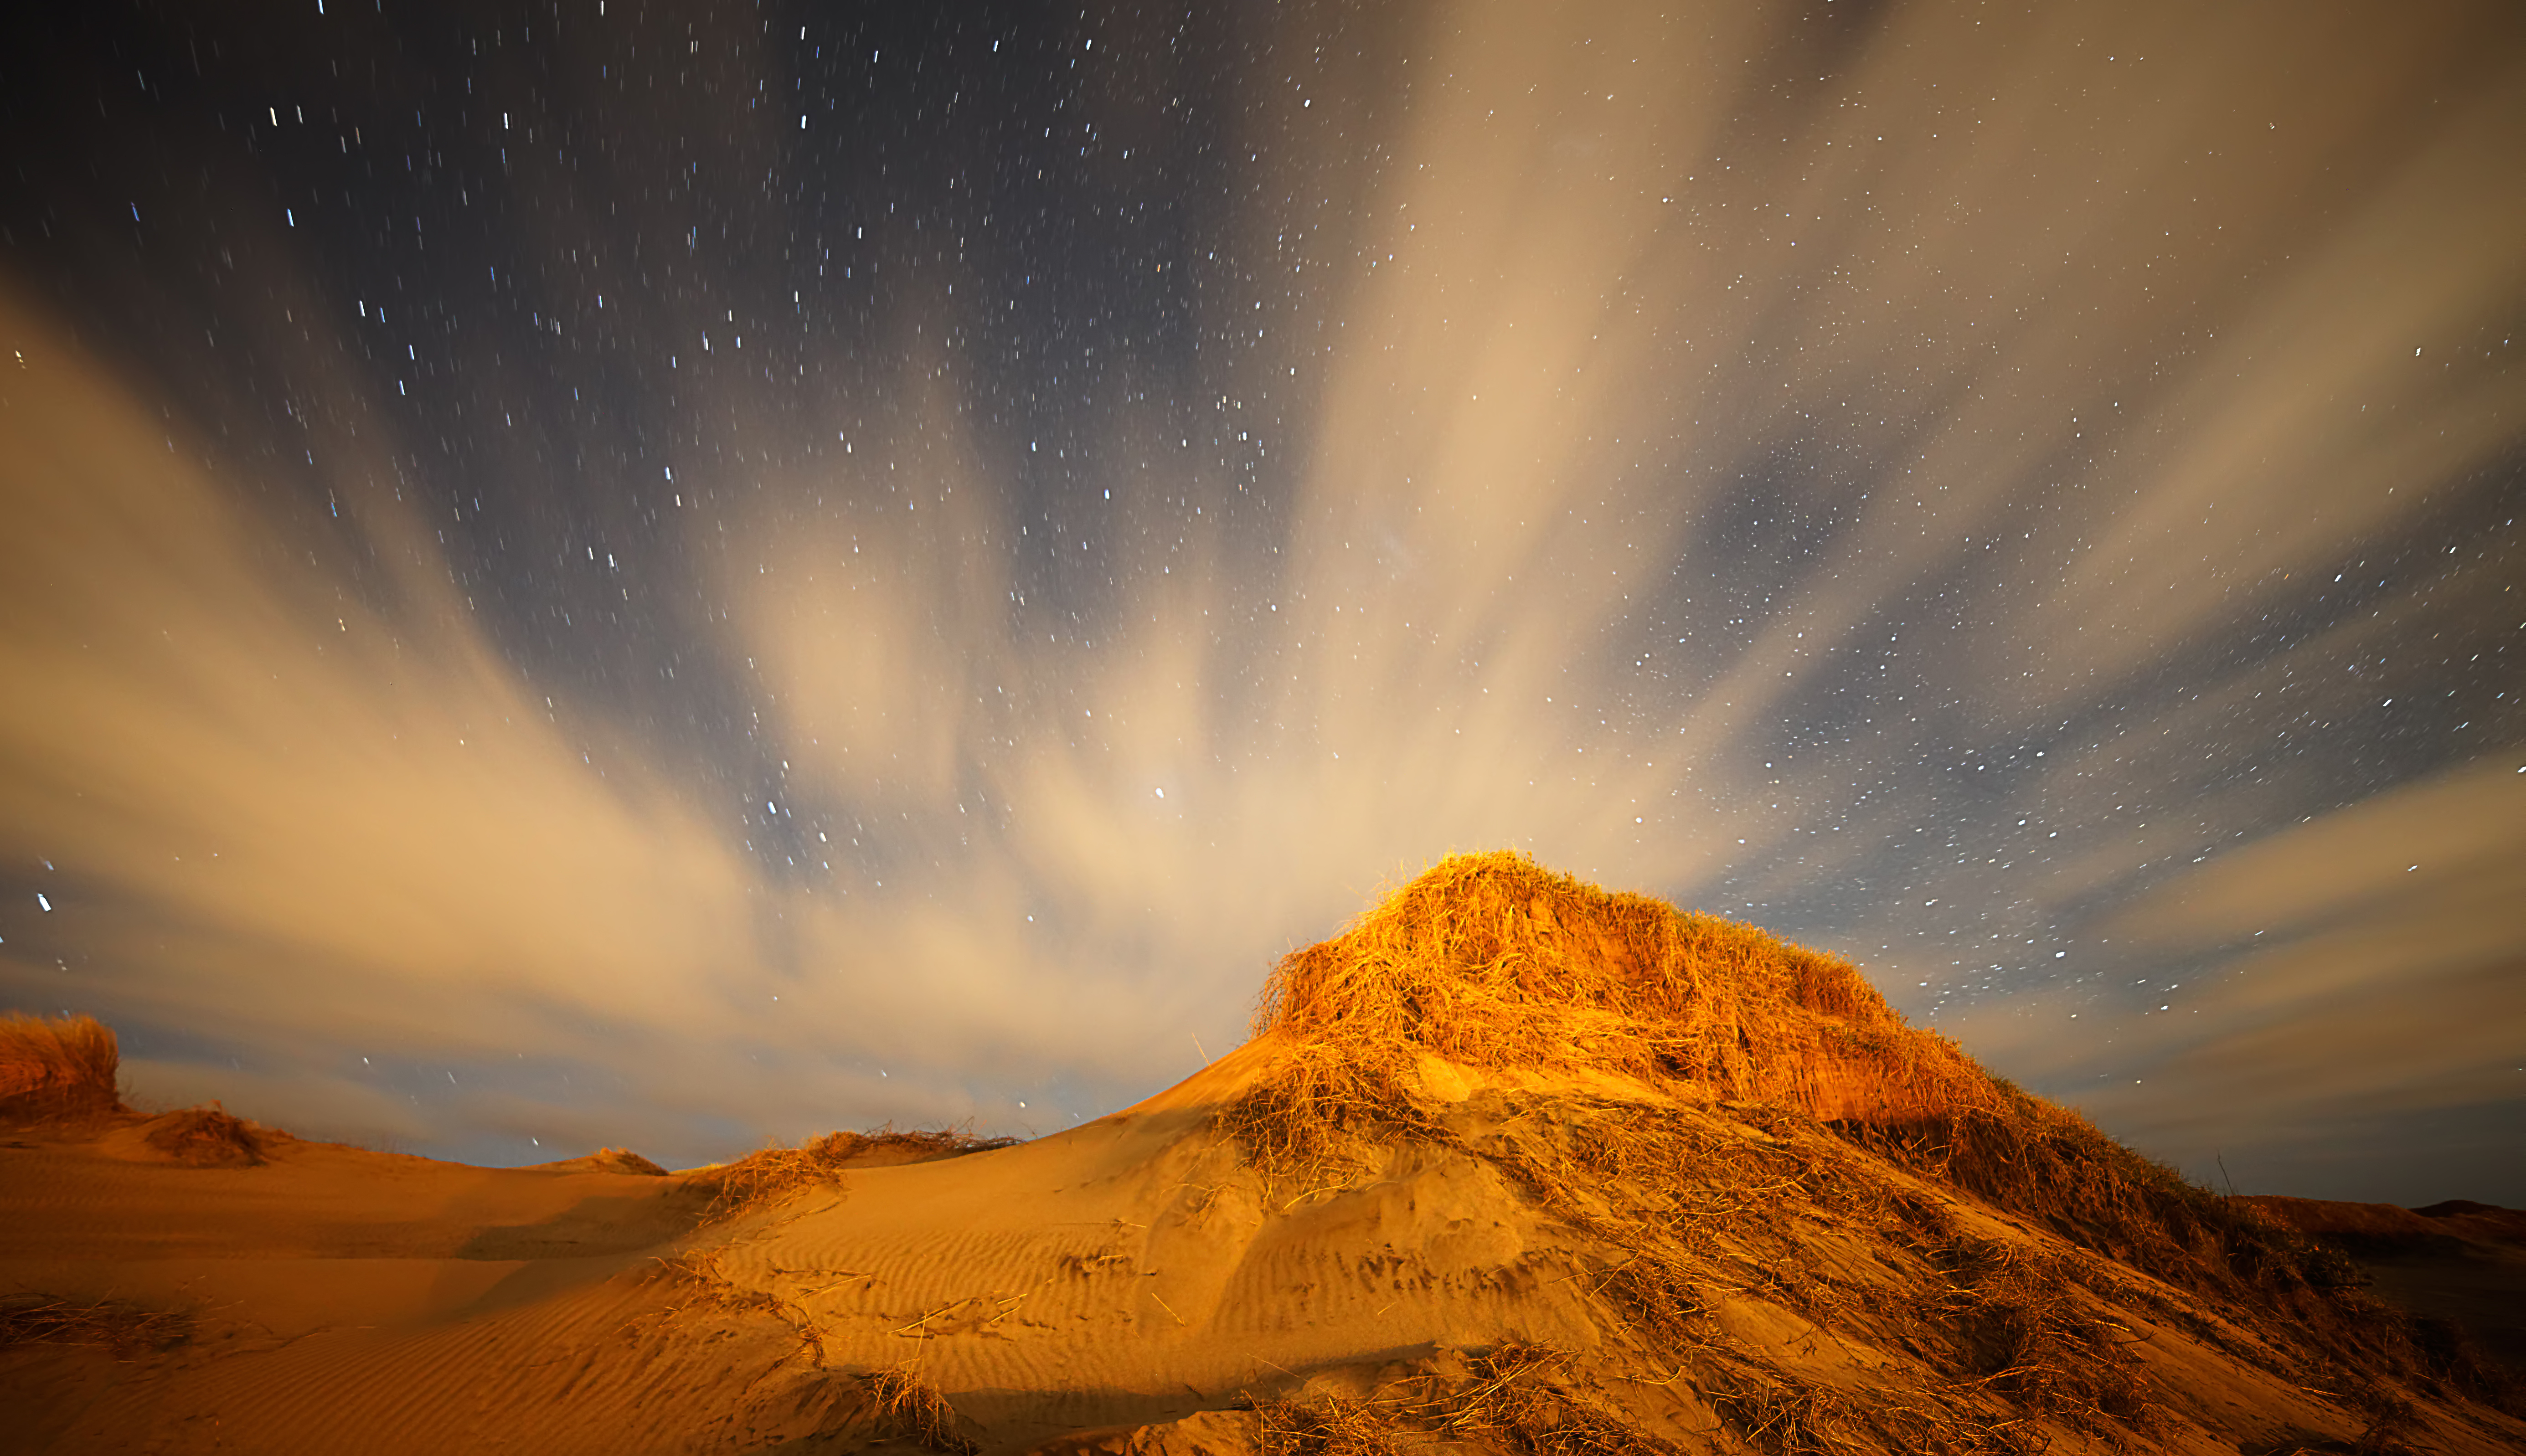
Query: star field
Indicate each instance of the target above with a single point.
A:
(632, 573)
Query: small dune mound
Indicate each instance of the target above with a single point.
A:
(57, 1067)
(2383, 1228)
(206, 1137)
(622, 1160)
(773, 1172)
(607, 1160)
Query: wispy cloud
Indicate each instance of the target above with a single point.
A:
(2353, 1003)
(1957, 493)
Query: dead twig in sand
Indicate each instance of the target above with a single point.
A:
(1002, 1305)
(704, 1292)
(127, 1331)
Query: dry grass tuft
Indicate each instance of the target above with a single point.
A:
(1323, 1425)
(207, 1137)
(2027, 1334)
(701, 1295)
(702, 1288)
(2031, 1157)
(53, 1068)
(127, 1331)
(1316, 1120)
(775, 1172)
(1792, 1418)
(621, 1160)
(1489, 960)
(917, 1411)
(1519, 1398)
(1492, 962)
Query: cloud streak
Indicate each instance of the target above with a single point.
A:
(2363, 1006)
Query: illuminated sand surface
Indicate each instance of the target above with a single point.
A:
(356, 1300)
(1532, 1257)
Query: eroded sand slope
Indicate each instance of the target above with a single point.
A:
(1512, 1166)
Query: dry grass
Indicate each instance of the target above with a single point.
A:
(128, 1331)
(2031, 1157)
(771, 1174)
(1790, 1418)
(702, 1288)
(1520, 1398)
(1318, 1118)
(1494, 963)
(53, 1068)
(701, 1298)
(2026, 1334)
(1489, 960)
(1678, 1204)
(915, 1410)
(207, 1137)
(2052, 1165)
(622, 1160)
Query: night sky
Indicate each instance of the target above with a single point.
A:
(666, 576)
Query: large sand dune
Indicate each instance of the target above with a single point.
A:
(1586, 1243)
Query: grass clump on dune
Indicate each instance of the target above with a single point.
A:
(1490, 960)
(208, 1137)
(1498, 965)
(55, 1068)
(62, 1069)
(915, 1410)
(1526, 1398)
(127, 1331)
(775, 1172)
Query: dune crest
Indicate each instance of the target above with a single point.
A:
(1518, 1162)
(1512, 1165)
(1489, 960)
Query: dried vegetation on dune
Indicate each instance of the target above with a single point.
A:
(913, 1409)
(1698, 1099)
(125, 1331)
(207, 1137)
(1524, 1397)
(62, 1072)
(56, 1068)
(1489, 960)
(770, 1173)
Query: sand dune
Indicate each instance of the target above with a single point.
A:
(2457, 1261)
(1567, 1234)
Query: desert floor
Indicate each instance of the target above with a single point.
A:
(1118, 1287)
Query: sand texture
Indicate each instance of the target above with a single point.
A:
(1608, 1219)
(1068, 1292)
